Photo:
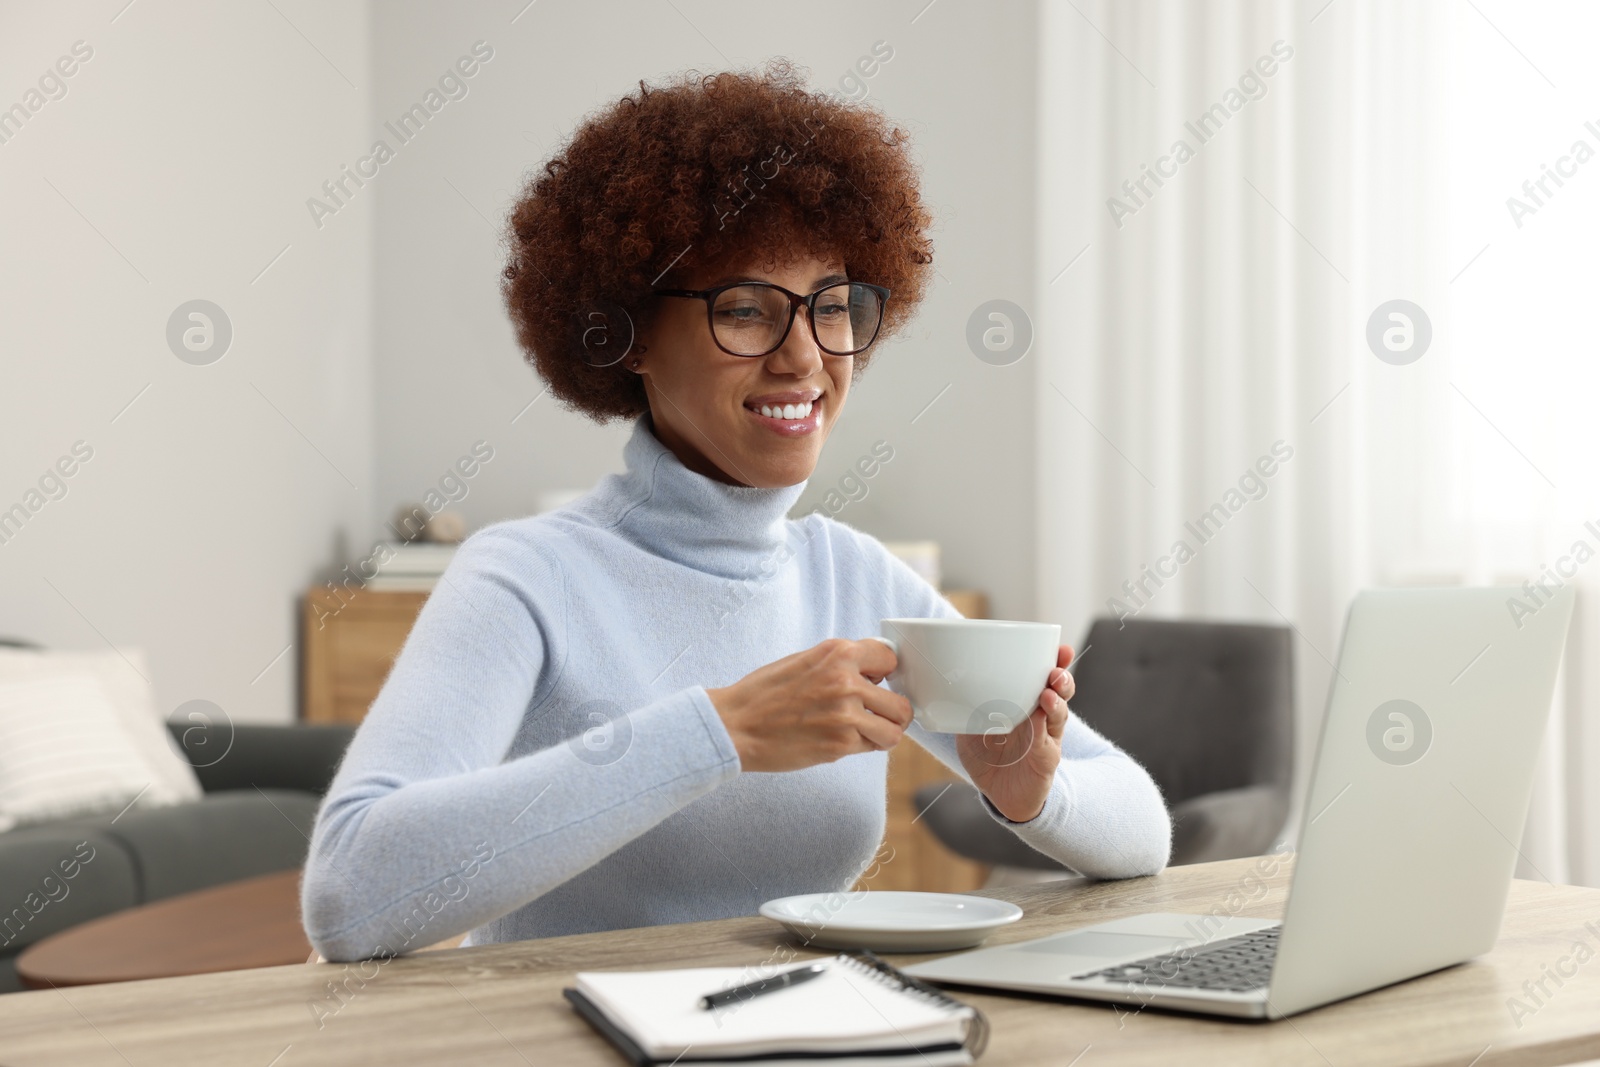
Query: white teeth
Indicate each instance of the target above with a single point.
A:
(787, 411)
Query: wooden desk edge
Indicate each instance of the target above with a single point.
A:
(413, 1015)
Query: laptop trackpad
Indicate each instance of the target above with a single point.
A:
(1106, 945)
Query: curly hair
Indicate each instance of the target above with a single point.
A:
(694, 174)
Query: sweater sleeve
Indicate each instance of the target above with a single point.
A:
(1104, 816)
(427, 831)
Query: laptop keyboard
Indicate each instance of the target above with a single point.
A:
(1236, 965)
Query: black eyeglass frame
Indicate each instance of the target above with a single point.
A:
(796, 302)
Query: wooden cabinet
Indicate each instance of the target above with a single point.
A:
(972, 603)
(351, 639)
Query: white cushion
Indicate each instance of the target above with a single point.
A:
(170, 777)
(63, 751)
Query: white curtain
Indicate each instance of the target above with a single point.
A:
(1188, 328)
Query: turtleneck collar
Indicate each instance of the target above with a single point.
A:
(673, 512)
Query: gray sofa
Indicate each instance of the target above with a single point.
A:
(255, 817)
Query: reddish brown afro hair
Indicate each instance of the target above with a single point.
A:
(696, 174)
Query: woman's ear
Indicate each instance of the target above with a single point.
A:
(634, 361)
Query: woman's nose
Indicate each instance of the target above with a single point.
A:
(799, 354)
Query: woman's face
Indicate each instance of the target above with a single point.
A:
(706, 404)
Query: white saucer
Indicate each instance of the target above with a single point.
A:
(891, 921)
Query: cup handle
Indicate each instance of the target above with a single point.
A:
(894, 647)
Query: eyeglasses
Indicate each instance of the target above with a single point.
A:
(754, 318)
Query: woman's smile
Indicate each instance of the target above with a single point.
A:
(788, 413)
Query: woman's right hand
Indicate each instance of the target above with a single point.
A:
(814, 707)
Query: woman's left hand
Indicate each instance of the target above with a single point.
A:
(1015, 770)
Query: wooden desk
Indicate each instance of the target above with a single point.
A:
(501, 1004)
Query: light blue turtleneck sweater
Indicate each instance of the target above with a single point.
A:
(543, 758)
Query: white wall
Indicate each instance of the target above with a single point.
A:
(176, 167)
(449, 372)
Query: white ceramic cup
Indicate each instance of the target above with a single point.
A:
(971, 676)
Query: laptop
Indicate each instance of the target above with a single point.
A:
(1424, 770)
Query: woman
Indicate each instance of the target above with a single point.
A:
(659, 703)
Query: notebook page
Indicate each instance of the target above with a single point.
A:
(845, 1008)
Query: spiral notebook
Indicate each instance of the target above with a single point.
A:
(860, 1011)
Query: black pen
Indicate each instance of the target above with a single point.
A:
(765, 985)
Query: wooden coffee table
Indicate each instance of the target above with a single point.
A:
(250, 923)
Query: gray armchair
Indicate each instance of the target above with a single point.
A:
(1206, 707)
